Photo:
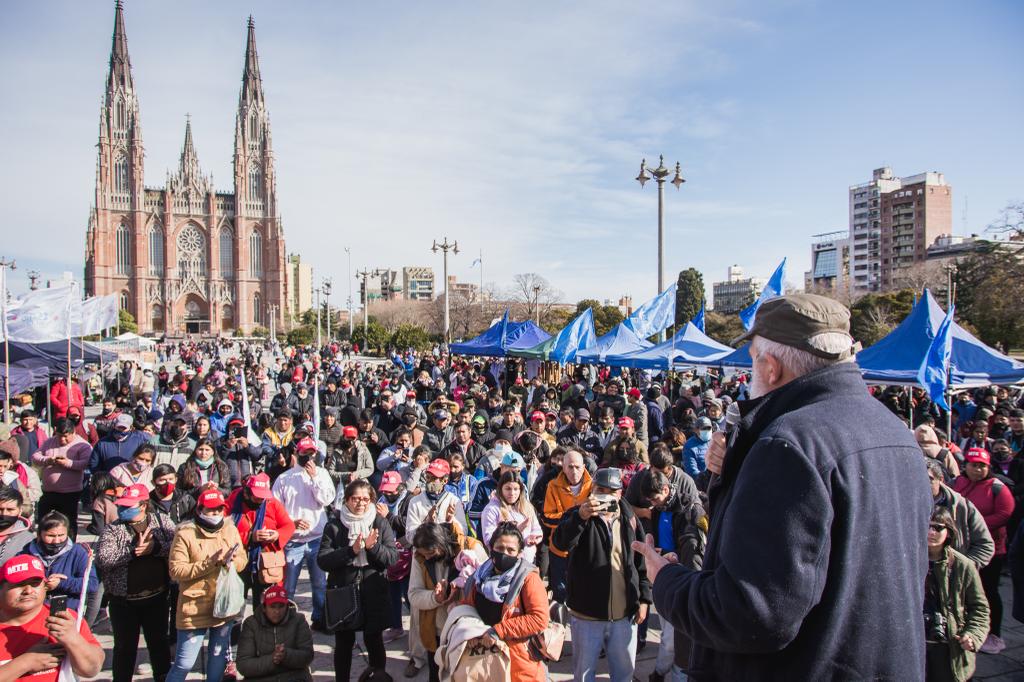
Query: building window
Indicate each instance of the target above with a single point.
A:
(121, 175)
(156, 317)
(123, 242)
(255, 182)
(191, 253)
(120, 114)
(257, 309)
(256, 253)
(254, 129)
(124, 300)
(156, 251)
(227, 254)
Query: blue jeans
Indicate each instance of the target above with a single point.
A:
(295, 554)
(557, 567)
(617, 638)
(190, 643)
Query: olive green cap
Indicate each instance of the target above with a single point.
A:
(793, 319)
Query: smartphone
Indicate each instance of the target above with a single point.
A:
(58, 604)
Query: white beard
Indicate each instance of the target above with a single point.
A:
(757, 388)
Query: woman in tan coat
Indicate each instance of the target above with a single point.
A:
(200, 548)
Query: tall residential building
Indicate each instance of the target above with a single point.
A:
(417, 283)
(464, 290)
(185, 258)
(830, 264)
(892, 223)
(736, 292)
(299, 278)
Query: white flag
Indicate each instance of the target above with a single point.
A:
(246, 415)
(97, 313)
(42, 316)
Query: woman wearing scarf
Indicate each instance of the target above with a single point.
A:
(510, 504)
(431, 589)
(64, 560)
(204, 468)
(510, 596)
(358, 545)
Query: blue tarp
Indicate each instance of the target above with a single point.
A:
(654, 316)
(688, 346)
(897, 358)
(563, 346)
(500, 337)
(619, 341)
(54, 355)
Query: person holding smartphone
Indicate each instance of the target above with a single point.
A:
(200, 549)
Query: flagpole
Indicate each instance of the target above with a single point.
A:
(3, 326)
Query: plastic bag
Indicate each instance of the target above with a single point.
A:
(230, 597)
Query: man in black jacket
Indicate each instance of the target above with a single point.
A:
(812, 513)
(608, 592)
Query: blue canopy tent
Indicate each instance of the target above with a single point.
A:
(688, 346)
(501, 336)
(897, 358)
(619, 341)
(54, 355)
(563, 346)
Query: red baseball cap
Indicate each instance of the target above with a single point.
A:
(439, 468)
(390, 481)
(350, 432)
(132, 495)
(236, 421)
(306, 444)
(536, 416)
(633, 392)
(977, 455)
(625, 423)
(259, 486)
(211, 499)
(275, 595)
(22, 567)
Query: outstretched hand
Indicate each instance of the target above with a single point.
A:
(653, 560)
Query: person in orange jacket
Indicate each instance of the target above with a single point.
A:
(510, 597)
(63, 396)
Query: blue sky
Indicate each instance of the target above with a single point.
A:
(517, 128)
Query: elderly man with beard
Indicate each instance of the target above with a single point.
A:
(810, 512)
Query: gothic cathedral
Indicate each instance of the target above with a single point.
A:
(186, 258)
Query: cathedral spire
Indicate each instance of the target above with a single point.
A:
(120, 74)
(252, 85)
(189, 166)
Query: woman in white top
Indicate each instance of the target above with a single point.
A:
(511, 504)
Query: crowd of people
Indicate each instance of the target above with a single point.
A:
(490, 516)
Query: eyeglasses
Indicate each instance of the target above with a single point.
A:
(357, 500)
(937, 527)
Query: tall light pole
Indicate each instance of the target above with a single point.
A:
(348, 251)
(327, 285)
(366, 275)
(536, 304)
(660, 173)
(4, 266)
(316, 290)
(454, 248)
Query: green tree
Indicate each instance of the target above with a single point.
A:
(376, 336)
(872, 316)
(260, 332)
(605, 316)
(410, 336)
(722, 328)
(126, 322)
(689, 295)
(989, 288)
(302, 335)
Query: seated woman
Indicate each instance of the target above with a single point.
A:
(956, 612)
(63, 559)
(510, 596)
(276, 642)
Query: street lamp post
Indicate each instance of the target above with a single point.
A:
(536, 304)
(4, 266)
(660, 173)
(327, 285)
(454, 248)
(366, 275)
(348, 251)
(316, 291)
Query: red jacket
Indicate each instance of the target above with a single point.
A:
(62, 397)
(276, 518)
(994, 500)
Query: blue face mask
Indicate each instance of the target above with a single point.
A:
(704, 435)
(128, 513)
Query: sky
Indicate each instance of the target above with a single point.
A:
(517, 129)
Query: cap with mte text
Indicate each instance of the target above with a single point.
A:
(259, 486)
(210, 499)
(22, 568)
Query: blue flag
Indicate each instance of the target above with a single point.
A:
(771, 290)
(934, 371)
(579, 335)
(654, 316)
(698, 319)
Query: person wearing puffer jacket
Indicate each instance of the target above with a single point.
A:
(994, 500)
(276, 644)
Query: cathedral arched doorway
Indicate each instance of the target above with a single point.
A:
(196, 318)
